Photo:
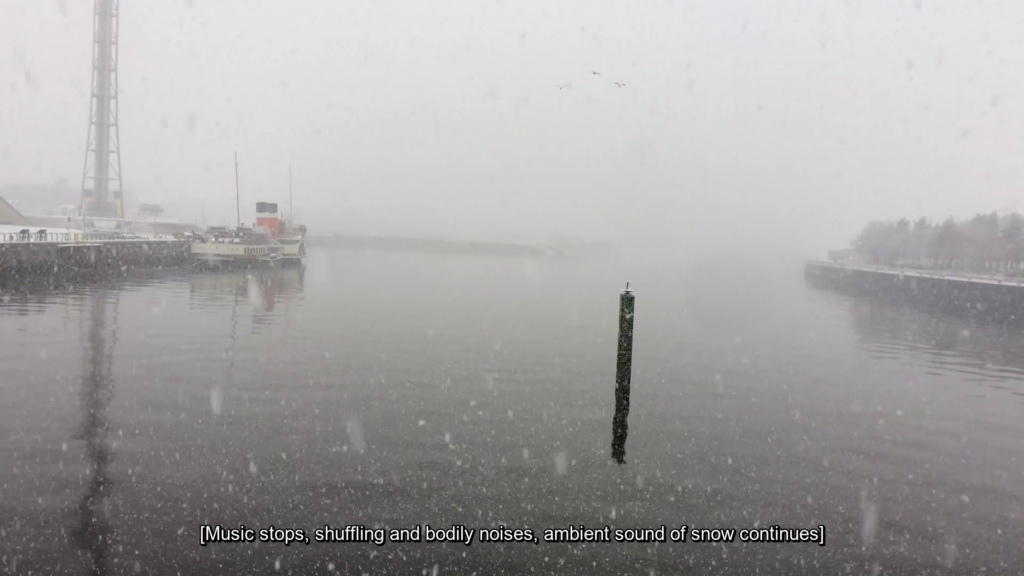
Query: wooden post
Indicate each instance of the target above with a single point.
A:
(623, 373)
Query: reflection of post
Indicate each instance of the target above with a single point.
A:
(93, 530)
(231, 349)
(623, 372)
(272, 285)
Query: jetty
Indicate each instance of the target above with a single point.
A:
(986, 298)
(27, 254)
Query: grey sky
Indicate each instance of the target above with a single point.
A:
(786, 122)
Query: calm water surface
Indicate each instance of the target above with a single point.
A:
(389, 389)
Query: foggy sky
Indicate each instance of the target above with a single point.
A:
(785, 123)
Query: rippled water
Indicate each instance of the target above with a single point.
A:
(392, 389)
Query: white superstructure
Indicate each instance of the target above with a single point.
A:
(242, 246)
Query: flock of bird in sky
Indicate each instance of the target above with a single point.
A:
(595, 73)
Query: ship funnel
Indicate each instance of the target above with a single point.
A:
(267, 218)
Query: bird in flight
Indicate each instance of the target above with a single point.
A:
(620, 84)
(560, 86)
(595, 73)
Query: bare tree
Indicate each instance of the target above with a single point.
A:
(987, 243)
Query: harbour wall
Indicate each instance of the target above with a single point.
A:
(976, 298)
(85, 255)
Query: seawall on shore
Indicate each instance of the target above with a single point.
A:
(986, 299)
(20, 261)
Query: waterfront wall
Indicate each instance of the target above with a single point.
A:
(28, 260)
(985, 299)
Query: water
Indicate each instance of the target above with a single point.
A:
(388, 389)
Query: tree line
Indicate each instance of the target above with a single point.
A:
(990, 243)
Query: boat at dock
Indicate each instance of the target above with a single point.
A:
(293, 247)
(273, 241)
(241, 247)
(290, 238)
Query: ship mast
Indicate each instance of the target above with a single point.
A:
(238, 204)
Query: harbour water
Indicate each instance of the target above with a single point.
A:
(386, 389)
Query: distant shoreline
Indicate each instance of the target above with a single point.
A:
(411, 244)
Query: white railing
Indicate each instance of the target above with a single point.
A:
(68, 237)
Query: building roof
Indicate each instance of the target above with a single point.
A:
(10, 215)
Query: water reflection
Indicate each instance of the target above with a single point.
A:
(261, 288)
(384, 398)
(984, 353)
(92, 532)
(22, 304)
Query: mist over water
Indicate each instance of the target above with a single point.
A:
(782, 128)
(481, 394)
(698, 151)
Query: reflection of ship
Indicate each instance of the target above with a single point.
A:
(263, 288)
(93, 531)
